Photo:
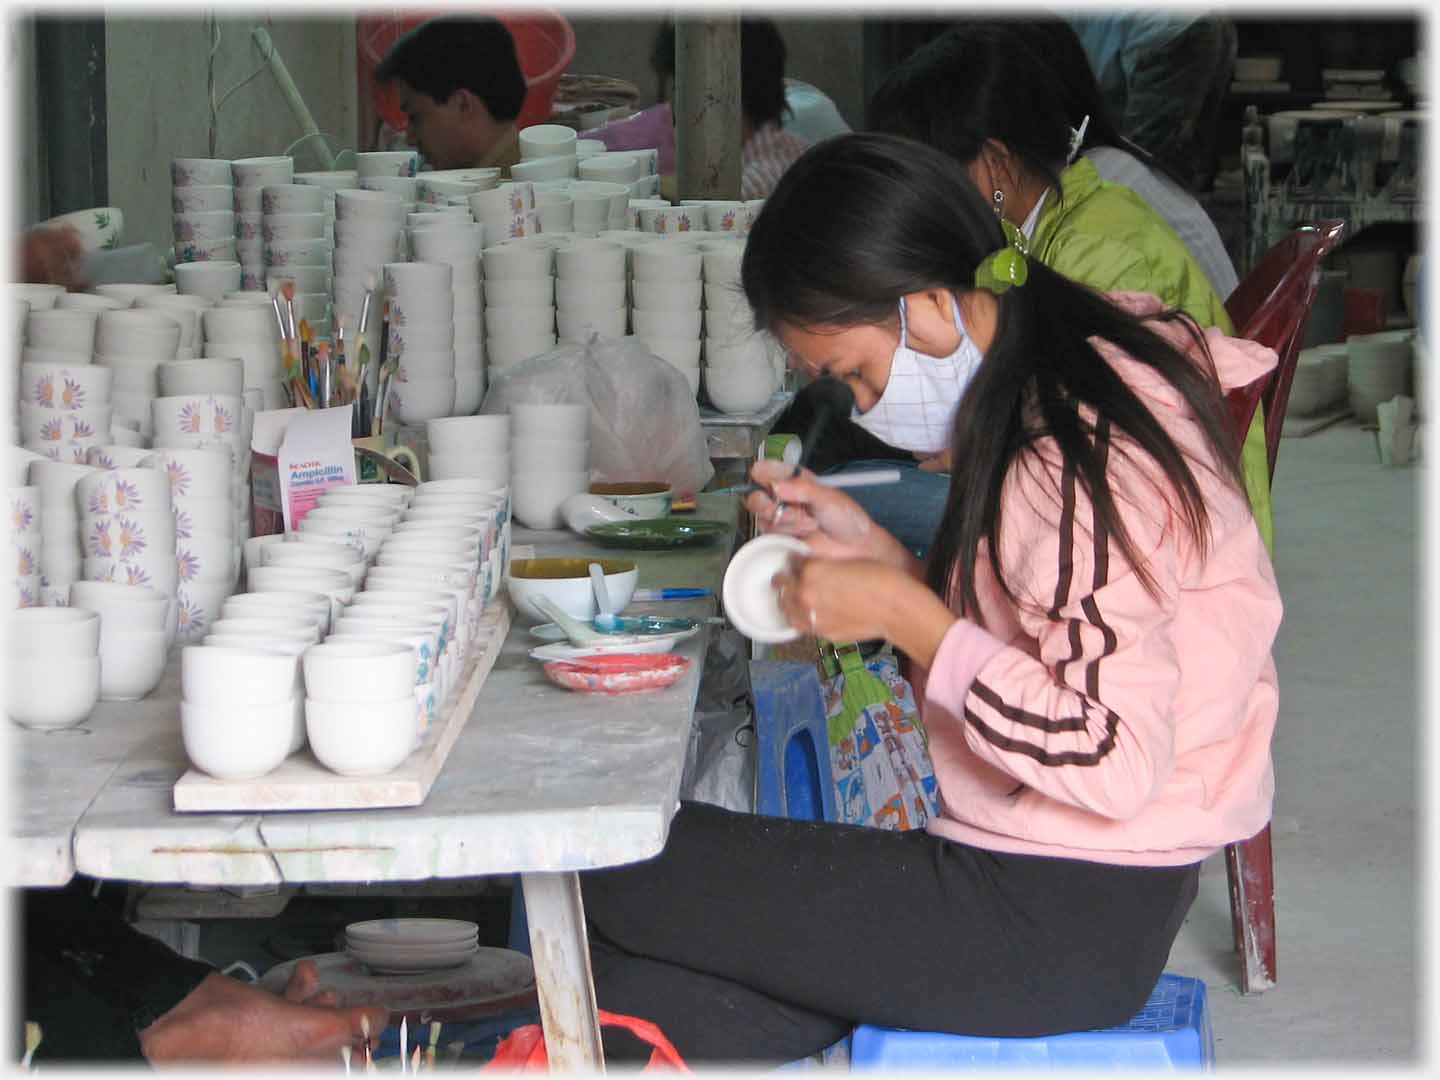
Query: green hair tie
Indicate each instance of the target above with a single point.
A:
(1001, 269)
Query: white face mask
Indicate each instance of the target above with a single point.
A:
(917, 409)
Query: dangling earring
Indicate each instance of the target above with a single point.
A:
(998, 201)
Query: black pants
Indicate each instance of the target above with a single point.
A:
(91, 980)
(762, 939)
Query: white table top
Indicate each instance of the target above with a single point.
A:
(540, 779)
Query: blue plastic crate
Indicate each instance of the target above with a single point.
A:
(1172, 1032)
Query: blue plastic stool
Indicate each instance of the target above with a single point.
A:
(1172, 1032)
(792, 749)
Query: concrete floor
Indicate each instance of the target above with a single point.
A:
(1351, 955)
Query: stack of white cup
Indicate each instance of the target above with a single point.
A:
(292, 226)
(392, 172)
(185, 309)
(134, 343)
(422, 340)
(137, 627)
(507, 211)
(519, 282)
(550, 457)
(209, 280)
(590, 290)
(241, 707)
(457, 243)
(52, 668)
(369, 232)
(251, 176)
(203, 208)
(329, 182)
(204, 499)
(249, 331)
(59, 557)
(666, 289)
(455, 186)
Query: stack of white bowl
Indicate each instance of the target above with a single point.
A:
(457, 244)
(519, 282)
(127, 533)
(555, 213)
(330, 182)
(422, 340)
(249, 331)
(743, 367)
(369, 232)
(65, 405)
(666, 290)
(203, 207)
(241, 707)
(25, 549)
(393, 172)
(1321, 378)
(615, 167)
(595, 205)
(35, 297)
(507, 211)
(59, 555)
(1378, 369)
(251, 176)
(293, 226)
(52, 667)
(547, 152)
(550, 456)
(137, 627)
(361, 715)
(590, 293)
(185, 309)
(208, 548)
(80, 301)
(470, 447)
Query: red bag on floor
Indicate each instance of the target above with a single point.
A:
(524, 1048)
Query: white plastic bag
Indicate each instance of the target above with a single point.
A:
(644, 423)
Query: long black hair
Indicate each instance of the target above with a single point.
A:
(862, 220)
(973, 83)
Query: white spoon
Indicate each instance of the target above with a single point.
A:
(574, 629)
(604, 614)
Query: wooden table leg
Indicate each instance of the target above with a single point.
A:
(558, 945)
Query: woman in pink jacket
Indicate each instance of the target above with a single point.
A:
(1096, 618)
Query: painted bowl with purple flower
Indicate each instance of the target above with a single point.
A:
(116, 455)
(52, 425)
(128, 536)
(185, 172)
(196, 415)
(204, 472)
(206, 558)
(119, 491)
(199, 608)
(204, 226)
(22, 510)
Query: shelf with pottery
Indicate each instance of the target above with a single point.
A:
(537, 779)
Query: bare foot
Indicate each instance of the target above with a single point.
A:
(223, 1020)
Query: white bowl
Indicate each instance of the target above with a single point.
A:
(65, 386)
(549, 455)
(60, 633)
(749, 597)
(585, 510)
(418, 599)
(292, 199)
(492, 471)
(358, 671)
(119, 605)
(387, 163)
(333, 583)
(738, 388)
(199, 607)
(537, 496)
(63, 329)
(583, 292)
(667, 323)
(88, 302)
(52, 693)
(262, 171)
(546, 140)
(668, 295)
(520, 292)
(518, 259)
(210, 675)
(237, 742)
(206, 558)
(469, 391)
(362, 739)
(291, 628)
(591, 260)
(488, 434)
(664, 262)
(131, 663)
(573, 326)
(204, 226)
(340, 557)
(573, 593)
(652, 501)
(209, 279)
(284, 604)
(135, 491)
(418, 400)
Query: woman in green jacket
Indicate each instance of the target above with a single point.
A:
(980, 94)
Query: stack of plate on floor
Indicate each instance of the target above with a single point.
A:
(1379, 369)
(406, 946)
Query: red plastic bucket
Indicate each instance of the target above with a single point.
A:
(544, 42)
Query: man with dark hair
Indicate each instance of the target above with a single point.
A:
(461, 88)
(768, 149)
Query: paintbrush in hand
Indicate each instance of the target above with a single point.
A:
(434, 1039)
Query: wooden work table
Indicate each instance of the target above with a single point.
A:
(541, 782)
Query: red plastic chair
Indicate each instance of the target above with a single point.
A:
(1271, 306)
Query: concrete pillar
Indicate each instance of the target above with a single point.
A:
(707, 107)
